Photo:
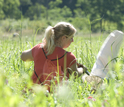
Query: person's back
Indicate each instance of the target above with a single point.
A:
(55, 40)
(65, 60)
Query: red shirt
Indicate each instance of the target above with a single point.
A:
(39, 60)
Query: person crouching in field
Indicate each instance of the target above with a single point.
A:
(52, 61)
(50, 58)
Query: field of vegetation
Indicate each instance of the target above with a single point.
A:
(15, 82)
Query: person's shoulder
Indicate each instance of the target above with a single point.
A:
(60, 50)
(71, 59)
(37, 48)
(70, 54)
(40, 45)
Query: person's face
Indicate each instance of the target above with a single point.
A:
(66, 41)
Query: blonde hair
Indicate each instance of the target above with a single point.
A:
(52, 34)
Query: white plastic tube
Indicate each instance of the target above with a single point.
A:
(107, 53)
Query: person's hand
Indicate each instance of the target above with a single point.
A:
(82, 66)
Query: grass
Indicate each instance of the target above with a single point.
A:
(15, 77)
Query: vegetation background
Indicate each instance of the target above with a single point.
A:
(93, 19)
(95, 16)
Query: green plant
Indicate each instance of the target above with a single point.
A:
(16, 84)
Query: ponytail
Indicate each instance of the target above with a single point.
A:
(53, 35)
(48, 40)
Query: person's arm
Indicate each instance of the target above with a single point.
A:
(27, 55)
(77, 69)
